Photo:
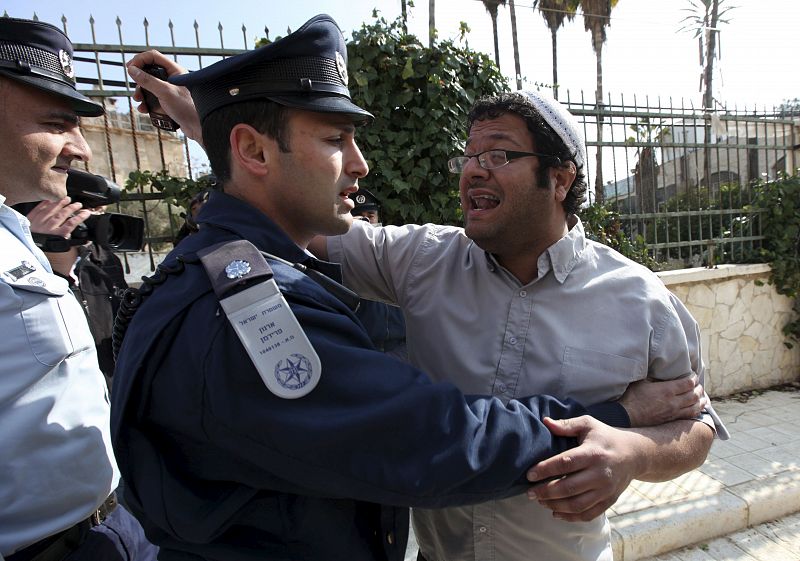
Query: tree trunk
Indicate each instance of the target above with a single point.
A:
(517, 71)
(431, 22)
(496, 44)
(404, 15)
(708, 94)
(553, 40)
(598, 178)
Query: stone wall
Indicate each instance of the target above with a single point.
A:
(740, 318)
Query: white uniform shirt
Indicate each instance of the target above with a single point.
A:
(589, 325)
(57, 463)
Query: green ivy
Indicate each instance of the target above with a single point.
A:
(177, 191)
(420, 97)
(780, 226)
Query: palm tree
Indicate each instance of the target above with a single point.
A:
(491, 7)
(596, 17)
(431, 22)
(517, 71)
(554, 13)
(703, 19)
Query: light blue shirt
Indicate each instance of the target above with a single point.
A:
(589, 325)
(57, 463)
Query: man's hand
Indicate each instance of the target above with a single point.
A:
(592, 476)
(655, 403)
(175, 100)
(57, 218)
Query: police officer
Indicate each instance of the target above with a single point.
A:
(385, 324)
(269, 428)
(59, 473)
(366, 206)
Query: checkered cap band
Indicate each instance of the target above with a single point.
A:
(38, 59)
(562, 121)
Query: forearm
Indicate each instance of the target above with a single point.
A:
(672, 449)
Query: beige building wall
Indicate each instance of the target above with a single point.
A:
(147, 146)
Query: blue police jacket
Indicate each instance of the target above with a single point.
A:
(218, 467)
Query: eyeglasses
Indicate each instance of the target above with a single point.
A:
(493, 159)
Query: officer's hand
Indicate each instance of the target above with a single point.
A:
(591, 477)
(655, 403)
(175, 100)
(57, 218)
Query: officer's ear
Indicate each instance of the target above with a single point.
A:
(251, 149)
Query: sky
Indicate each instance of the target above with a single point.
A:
(645, 55)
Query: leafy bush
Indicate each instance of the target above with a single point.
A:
(780, 226)
(420, 97)
(603, 225)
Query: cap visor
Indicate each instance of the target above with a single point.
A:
(325, 104)
(81, 104)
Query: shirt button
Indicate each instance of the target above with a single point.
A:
(513, 340)
(482, 529)
(523, 293)
(502, 387)
(390, 538)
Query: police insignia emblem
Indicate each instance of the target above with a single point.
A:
(24, 268)
(341, 66)
(237, 269)
(361, 199)
(36, 281)
(66, 64)
(294, 372)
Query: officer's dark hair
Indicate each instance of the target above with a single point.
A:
(267, 117)
(545, 140)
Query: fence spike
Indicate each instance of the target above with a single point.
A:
(35, 17)
(244, 35)
(266, 32)
(64, 23)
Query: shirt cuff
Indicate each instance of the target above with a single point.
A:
(611, 413)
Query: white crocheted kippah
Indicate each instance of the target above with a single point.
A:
(563, 122)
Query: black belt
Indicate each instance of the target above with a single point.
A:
(58, 546)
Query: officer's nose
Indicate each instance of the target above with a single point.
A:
(356, 165)
(76, 147)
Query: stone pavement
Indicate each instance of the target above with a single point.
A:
(778, 540)
(748, 480)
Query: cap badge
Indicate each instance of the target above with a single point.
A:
(237, 269)
(361, 199)
(66, 63)
(233, 91)
(341, 66)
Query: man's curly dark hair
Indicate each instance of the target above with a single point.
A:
(545, 139)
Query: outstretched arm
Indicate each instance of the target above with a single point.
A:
(591, 477)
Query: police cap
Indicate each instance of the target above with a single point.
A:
(364, 201)
(40, 55)
(306, 69)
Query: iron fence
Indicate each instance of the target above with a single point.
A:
(680, 177)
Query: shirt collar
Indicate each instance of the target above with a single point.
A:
(561, 257)
(247, 222)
